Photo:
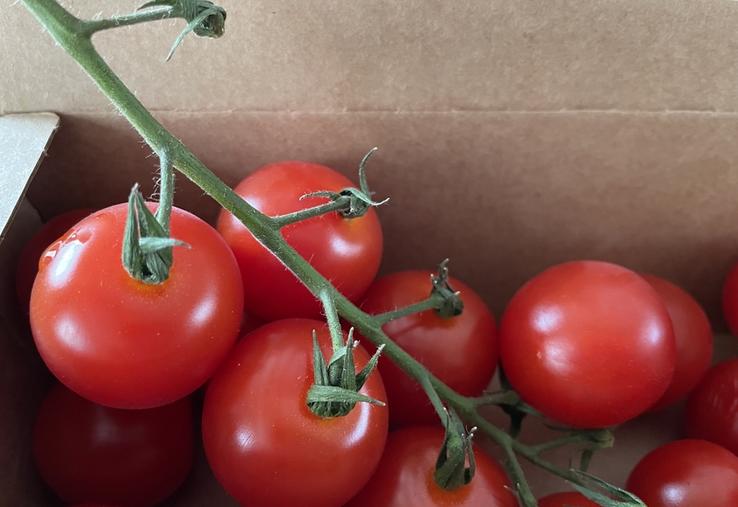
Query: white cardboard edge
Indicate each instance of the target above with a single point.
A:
(24, 139)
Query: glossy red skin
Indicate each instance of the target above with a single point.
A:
(99, 455)
(588, 344)
(346, 251)
(567, 499)
(404, 477)
(462, 351)
(686, 473)
(693, 335)
(712, 409)
(120, 342)
(262, 441)
(730, 300)
(28, 260)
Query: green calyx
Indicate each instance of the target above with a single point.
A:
(355, 201)
(449, 300)
(336, 386)
(147, 247)
(204, 18)
(455, 465)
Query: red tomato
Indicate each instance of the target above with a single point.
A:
(588, 344)
(28, 261)
(568, 499)
(686, 473)
(405, 476)
(346, 251)
(89, 453)
(461, 351)
(712, 409)
(123, 343)
(730, 300)
(693, 336)
(264, 444)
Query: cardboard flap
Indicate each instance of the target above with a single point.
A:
(24, 139)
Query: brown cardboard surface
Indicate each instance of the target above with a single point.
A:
(334, 55)
(502, 194)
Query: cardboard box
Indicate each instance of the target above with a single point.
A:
(513, 135)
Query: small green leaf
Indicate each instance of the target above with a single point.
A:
(363, 375)
(333, 394)
(451, 303)
(612, 497)
(363, 184)
(320, 371)
(348, 375)
(150, 245)
(452, 470)
(130, 256)
(191, 26)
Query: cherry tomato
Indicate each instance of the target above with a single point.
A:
(712, 409)
(568, 499)
(693, 336)
(730, 300)
(99, 455)
(686, 473)
(346, 251)
(461, 351)
(28, 260)
(588, 343)
(123, 343)
(405, 476)
(265, 446)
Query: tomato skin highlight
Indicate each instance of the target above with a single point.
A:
(346, 251)
(712, 408)
(567, 499)
(693, 335)
(405, 476)
(99, 455)
(125, 344)
(462, 351)
(686, 473)
(28, 259)
(264, 444)
(588, 343)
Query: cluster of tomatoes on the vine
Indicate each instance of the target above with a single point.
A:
(586, 344)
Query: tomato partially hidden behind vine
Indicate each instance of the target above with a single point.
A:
(124, 343)
(347, 251)
(405, 476)
(264, 444)
(461, 351)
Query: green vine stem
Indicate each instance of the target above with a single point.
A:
(74, 36)
(166, 191)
